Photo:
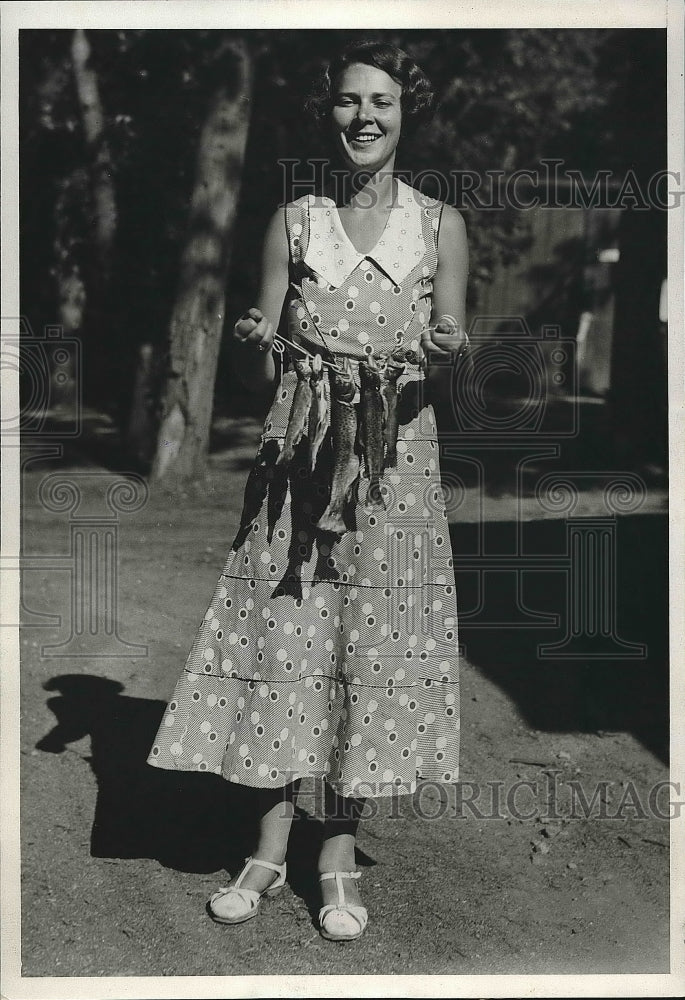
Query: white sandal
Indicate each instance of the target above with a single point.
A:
(342, 921)
(243, 904)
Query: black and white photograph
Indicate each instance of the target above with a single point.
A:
(342, 445)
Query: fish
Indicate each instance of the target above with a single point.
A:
(372, 427)
(319, 416)
(298, 413)
(393, 371)
(343, 439)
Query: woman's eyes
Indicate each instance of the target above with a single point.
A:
(347, 102)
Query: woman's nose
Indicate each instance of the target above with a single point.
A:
(365, 113)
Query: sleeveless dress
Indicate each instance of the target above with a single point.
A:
(335, 658)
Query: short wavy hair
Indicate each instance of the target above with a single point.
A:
(418, 97)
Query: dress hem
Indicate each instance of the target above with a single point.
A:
(361, 789)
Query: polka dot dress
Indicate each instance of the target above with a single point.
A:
(324, 657)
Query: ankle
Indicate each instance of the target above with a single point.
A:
(274, 857)
(337, 857)
(269, 851)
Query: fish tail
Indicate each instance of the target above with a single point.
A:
(287, 452)
(285, 455)
(332, 518)
(332, 522)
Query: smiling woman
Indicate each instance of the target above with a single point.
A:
(329, 648)
(366, 119)
(417, 97)
(366, 123)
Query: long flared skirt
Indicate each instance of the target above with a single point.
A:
(326, 657)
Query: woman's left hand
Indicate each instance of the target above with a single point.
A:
(444, 337)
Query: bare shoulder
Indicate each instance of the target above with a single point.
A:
(276, 237)
(452, 232)
(277, 221)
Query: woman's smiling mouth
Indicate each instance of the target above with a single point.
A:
(365, 138)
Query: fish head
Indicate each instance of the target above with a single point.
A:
(369, 375)
(394, 368)
(342, 381)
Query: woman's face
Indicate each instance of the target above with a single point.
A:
(366, 116)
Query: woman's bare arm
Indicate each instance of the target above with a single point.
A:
(254, 333)
(443, 341)
(449, 283)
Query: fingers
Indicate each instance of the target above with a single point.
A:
(430, 345)
(254, 330)
(446, 337)
(267, 337)
(449, 343)
(447, 324)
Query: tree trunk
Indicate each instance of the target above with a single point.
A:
(140, 432)
(67, 382)
(93, 122)
(197, 319)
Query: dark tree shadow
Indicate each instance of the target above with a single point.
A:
(576, 434)
(97, 443)
(583, 694)
(187, 821)
(557, 291)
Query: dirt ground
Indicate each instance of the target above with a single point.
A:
(118, 858)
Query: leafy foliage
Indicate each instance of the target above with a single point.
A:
(508, 98)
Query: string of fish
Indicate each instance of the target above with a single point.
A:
(375, 430)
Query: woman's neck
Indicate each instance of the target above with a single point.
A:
(357, 190)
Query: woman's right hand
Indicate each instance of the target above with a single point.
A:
(254, 330)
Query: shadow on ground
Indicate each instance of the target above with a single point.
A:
(626, 689)
(200, 823)
(95, 440)
(579, 431)
(187, 821)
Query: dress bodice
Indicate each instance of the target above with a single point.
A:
(362, 304)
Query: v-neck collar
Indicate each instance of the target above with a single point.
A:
(400, 247)
(343, 231)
